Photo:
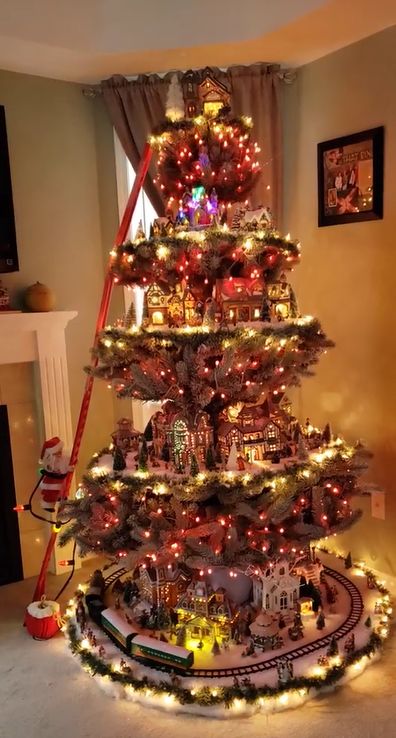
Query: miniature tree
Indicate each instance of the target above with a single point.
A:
(320, 620)
(332, 649)
(165, 453)
(210, 461)
(368, 622)
(194, 468)
(215, 648)
(348, 561)
(327, 434)
(130, 316)
(181, 636)
(118, 460)
(143, 456)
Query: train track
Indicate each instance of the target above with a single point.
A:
(355, 613)
(114, 576)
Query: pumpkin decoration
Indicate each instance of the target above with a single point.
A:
(39, 298)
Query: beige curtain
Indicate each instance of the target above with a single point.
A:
(136, 107)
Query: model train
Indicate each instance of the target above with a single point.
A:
(150, 651)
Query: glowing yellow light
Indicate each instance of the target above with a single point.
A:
(96, 471)
(284, 699)
(163, 252)
(85, 643)
(160, 489)
(108, 342)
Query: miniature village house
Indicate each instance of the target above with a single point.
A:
(259, 432)
(206, 613)
(240, 298)
(125, 436)
(275, 588)
(280, 299)
(164, 583)
(171, 307)
(208, 96)
(182, 438)
(157, 304)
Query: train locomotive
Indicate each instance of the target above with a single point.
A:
(150, 651)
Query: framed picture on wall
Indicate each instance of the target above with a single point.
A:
(350, 178)
(8, 243)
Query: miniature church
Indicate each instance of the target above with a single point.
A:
(275, 588)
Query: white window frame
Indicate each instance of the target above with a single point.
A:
(144, 211)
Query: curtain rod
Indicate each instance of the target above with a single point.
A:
(285, 75)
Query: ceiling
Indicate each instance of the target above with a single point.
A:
(88, 40)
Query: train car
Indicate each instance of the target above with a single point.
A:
(117, 628)
(95, 608)
(164, 655)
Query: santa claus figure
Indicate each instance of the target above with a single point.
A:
(54, 471)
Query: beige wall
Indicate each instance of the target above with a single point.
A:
(63, 176)
(347, 274)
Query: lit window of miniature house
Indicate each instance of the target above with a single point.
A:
(271, 437)
(276, 588)
(240, 299)
(157, 304)
(279, 296)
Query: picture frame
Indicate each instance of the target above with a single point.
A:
(8, 242)
(350, 178)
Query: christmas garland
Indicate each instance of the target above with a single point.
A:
(213, 253)
(222, 695)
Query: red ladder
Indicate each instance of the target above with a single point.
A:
(100, 324)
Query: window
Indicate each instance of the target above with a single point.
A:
(283, 601)
(144, 210)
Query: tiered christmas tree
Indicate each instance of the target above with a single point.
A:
(225, 482)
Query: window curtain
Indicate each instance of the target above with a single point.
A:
(136, 107)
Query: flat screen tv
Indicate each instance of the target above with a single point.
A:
(8, 243)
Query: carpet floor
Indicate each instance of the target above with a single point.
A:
(45, 694)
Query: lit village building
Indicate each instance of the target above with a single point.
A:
(260, 431)
(175, 432)
(206, 613)
(163, 583)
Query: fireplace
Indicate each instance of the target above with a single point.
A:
(34, 405)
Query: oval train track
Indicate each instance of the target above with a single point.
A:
(355, 613)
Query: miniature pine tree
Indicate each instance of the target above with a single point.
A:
(367, 622)
(130, 316)
(140, 234)
(265, 311)
(348, 561)
(143, 456)
(320, 621)
(194, 468)
(327, 434)
(181, 636)
(210, 462)
(333, 647)
(148, 431)
(174, 100)
(215, 648)
(118, 459)
(165, 453)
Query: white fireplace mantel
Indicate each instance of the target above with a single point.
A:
(40, 338)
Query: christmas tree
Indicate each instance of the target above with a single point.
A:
(221, 340)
